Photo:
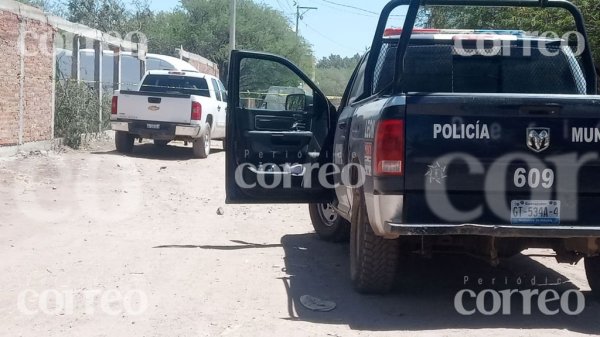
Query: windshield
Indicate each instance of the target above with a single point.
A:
(173, 84)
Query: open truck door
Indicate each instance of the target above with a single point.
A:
(279, 133)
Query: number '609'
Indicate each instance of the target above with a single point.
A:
(534, 178)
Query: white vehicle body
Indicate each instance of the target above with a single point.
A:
(172, 105)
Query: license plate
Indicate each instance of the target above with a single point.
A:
(535, 212)
(153, 126)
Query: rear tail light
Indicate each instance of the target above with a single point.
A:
(389, 148)
(196, 111)
(115, 105)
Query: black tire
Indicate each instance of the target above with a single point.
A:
(328, 224)
(592, 271)
(161, 143)
(201, 145)
(373, 259)
(124, 142)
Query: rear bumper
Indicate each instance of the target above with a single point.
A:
(494, 230)
(383, 209)
(188, 131)
(166, 131)
(386, 211)
(119, 126)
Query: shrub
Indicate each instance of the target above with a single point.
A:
(76, 119)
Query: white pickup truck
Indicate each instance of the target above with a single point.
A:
(171, 105)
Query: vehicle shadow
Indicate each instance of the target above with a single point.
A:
(175, 152)
(424, 294)
(239, 245)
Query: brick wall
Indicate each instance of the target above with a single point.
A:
(205, 68)
(37, 117)
(37, 97)
(9, 79)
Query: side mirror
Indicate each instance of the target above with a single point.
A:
(295, 102)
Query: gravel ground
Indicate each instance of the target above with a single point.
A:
(94, 243)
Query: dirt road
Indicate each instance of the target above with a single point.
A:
(93, 243)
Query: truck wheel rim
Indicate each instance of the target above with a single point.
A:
(328, 214)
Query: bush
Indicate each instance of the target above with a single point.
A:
(76, 119)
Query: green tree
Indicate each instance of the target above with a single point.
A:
(336, 61)
(111, 15)
(202, 27)
(333, 73)
(45, 5)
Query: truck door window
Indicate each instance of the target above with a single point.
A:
(223, 91)
(358, 87)
(269, 85)
(217, 90)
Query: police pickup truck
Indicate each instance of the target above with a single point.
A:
(484, 142)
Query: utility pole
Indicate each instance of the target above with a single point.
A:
(301, 15)
(232, 24)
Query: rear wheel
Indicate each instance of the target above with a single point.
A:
(328, 224)
(592, 271)
(124, 142)
(202, 145)
(373, 259)
(161, 143)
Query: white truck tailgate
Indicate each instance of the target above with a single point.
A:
(159, 108)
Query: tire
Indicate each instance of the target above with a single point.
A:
(202, 145)
(328, 224)
(592, 271)
(373, 259)
(124, 142)
(161, 143)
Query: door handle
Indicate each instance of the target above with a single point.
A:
(343, 125)
(296, 170)
(219, 109)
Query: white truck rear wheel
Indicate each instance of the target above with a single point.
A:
(202, 145)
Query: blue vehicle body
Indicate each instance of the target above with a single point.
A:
(438, 143)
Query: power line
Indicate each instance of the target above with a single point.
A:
(369, 12)
(346, 10)
(330, 39)
(285, 12)
(352, 7)
(289, 5)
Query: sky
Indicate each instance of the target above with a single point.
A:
(334, 28)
